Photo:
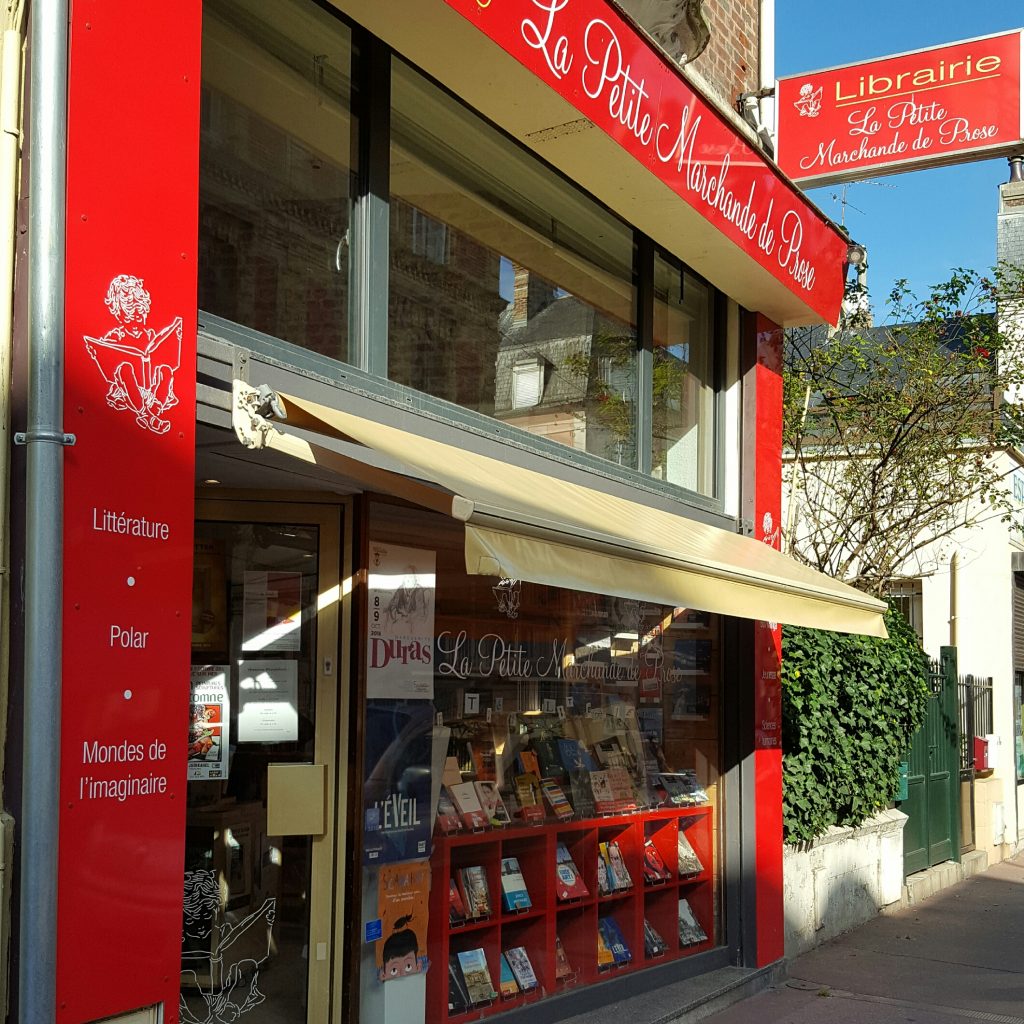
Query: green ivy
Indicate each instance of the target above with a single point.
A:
(850, 705)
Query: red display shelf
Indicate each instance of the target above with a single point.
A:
(575, 922)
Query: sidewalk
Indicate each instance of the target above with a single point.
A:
(958, 956)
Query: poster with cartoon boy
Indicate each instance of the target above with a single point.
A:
(402, 891)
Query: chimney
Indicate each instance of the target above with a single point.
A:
(529, 295)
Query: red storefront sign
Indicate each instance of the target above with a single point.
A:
(132, 202)
(949, 104)
(596, 60)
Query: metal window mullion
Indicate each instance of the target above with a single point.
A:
(368, 282)
(644, 277)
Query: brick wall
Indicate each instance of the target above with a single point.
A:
(729, 64)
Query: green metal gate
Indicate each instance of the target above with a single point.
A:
(932, 832)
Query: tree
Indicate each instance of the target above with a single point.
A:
(894, 436)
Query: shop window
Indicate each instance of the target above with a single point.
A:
(908, 597)
(682, 398)
(276, 170)
(534, 269)
(541, 799)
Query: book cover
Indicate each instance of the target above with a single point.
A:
(491, 803)
(448, 819)
(468, 804)
(620, 877)
(689, 862)
(456, 908)
(513, 888)
(605, 959)
(613, 791)
(568, 881)
(458, 994)
(623, 791)
(610, 753)
(683, 788)
(403, 910)
(655, 870)
(582, 795)
(563, 969)
(530, 798)
(575, 757)
(475, 895)
(478, 979)
(556, 798)
(548, 757)
(530, 763)
(519, 961)
(605, 886)
(507, 980)
(614, 940)
(654, 944)
(690, 931)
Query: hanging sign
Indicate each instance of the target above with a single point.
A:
(597, 61)
(948, 104)
(130, 364)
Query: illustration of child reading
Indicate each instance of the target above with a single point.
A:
(137, 362)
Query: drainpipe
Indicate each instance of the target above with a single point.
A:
(954, 571)
(44, 520)
(766, 65)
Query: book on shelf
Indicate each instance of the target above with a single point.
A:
(575, 757)
(556, 798)
(478, 978)
(468, 805)
(690, 931)
(491, 803)
(476, 897)
(548, 757)
(519, 961)
(605, 886)
(605, 958)
(689, 862)
(610, 753)
(569, 883)
(613, 791)
(563, 969)
(507, 980)
(513, 887)
(655, 870)
(482, 754)
(654, 944)
(458, 994)
(529, 762)
(582, 794)
(448, 819)
(531, 800)
(683, 788)
(614, 939)
(456, 908)
(620, 877)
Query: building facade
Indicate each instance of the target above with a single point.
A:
(418, 605)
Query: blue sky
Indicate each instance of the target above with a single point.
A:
(918, 225)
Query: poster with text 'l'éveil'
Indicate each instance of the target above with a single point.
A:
(400, 640)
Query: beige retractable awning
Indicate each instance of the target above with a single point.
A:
(522, 524)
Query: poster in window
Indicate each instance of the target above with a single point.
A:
(209, 598)
(402, 891)
(268, 701)
(400, 624)
(209, 720)
(272, 611)
(397, 772)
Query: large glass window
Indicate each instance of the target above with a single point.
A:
(682, 451)
(511, 292)
(276, 170)
(542, 794)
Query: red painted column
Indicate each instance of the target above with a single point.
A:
(130, 356)
(768, 649)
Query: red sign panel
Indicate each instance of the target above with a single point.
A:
(592, 57)
(130, 344)
(949, 104)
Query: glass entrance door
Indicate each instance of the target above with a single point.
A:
(257, 930)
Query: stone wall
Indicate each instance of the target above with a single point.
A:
(841, 880)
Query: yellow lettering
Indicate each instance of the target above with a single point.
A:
(988, 64)
(926, 76)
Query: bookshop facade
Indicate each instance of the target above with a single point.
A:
(485, 595)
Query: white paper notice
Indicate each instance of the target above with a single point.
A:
(268, 701)
(209, 720)
(400, 642)
(271, 611)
